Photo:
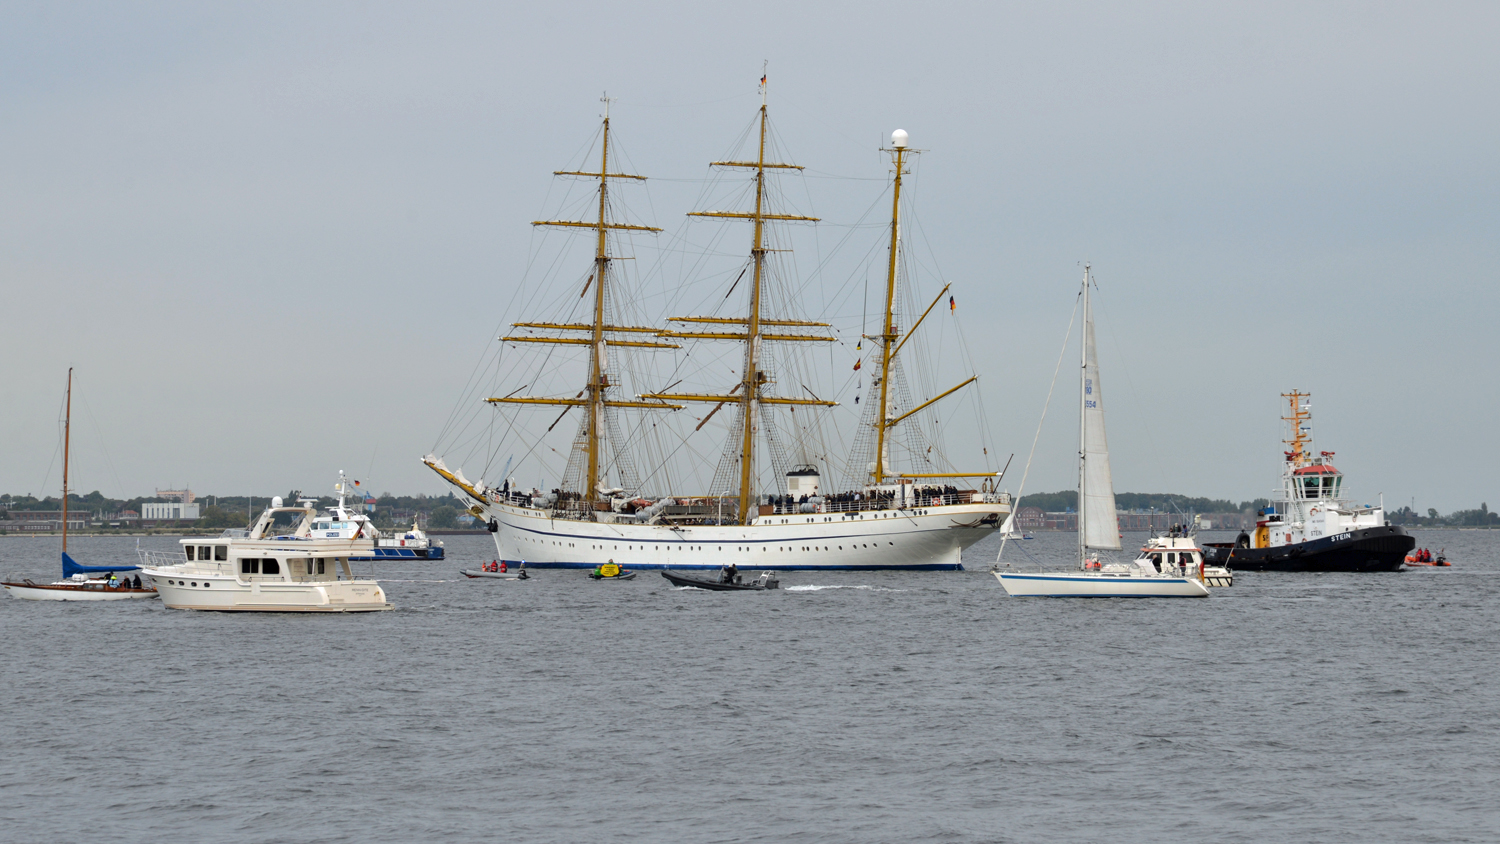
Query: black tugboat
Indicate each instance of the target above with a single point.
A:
(1313, 527)
(727, 581)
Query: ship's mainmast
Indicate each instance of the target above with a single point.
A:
(750, 396)
(594, 397)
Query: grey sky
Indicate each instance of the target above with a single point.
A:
(274, 239)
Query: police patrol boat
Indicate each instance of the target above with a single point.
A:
(344, 522)
(1313, 526)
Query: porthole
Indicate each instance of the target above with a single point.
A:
(205, 585)
(195, 584)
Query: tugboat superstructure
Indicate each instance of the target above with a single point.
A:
(1313, 527)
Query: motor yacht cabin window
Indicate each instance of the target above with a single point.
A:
(270, 567)
(221, 552)
(189, 549)
(249, 566)
(205, 552)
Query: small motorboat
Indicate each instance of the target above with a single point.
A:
(495, 574)
(1439, 561)
(611, 571)
(727, 581)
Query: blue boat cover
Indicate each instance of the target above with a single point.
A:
(71, 568)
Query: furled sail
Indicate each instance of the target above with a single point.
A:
(1096, 488)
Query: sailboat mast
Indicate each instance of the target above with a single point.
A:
(67, 432)
(889, 335)
(1083, 364)
(753, 378)
(597, 379)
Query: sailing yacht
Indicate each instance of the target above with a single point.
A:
(897, 518)
(77, 585)
(1149, 575)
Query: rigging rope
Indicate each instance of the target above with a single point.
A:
(1071, 317)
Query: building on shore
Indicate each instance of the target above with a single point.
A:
(172, 511)
(28, 521)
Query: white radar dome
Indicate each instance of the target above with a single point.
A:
(276, 502)
(898, 139)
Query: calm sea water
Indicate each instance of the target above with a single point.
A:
(846, 707)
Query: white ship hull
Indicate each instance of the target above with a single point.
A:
(1095, 585)
(912, 539)
(183, 589)
(71, 592)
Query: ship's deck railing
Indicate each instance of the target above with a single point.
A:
(161, 559)
(866, 503)
(886, 502)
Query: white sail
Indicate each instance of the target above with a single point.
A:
(1008, 530)
(1096, 489)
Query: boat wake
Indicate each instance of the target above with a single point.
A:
(865, 587)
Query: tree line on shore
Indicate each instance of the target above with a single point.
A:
(1067, 500)
(1142, 502)
(238, 511)
(444, 511)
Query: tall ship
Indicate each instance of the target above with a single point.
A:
(1313, 526)
(771, 503)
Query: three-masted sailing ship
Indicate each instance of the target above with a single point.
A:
(888, 519)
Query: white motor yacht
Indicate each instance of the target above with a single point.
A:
(278, 565)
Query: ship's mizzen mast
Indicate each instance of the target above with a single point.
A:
(892, 339)
(594, 397)
(750, 396)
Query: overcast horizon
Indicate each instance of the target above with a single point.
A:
(274, 239)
